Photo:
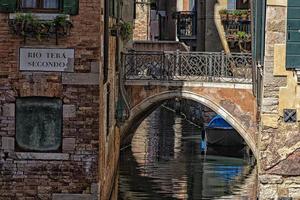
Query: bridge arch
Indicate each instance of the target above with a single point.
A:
(139, 112)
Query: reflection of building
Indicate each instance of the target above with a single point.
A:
(184, 175)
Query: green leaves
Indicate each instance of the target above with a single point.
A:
(126, 31)
(28, 25)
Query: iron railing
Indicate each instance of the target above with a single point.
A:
(188, 66)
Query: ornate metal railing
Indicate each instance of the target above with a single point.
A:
(188, 66)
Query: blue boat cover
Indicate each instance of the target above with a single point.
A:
(219, 122)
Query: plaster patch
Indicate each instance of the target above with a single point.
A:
(270, 120)
(277, 2)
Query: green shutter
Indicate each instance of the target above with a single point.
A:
(258, 30)
(71, 7)
(293, 35)
(113, 8)
(8, 6)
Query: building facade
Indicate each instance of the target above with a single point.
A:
(49, 88)
(279, 161)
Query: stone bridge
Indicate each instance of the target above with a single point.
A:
(221, 82)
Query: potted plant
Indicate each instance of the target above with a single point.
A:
(230, 15)
(126, 31)
(28, 25)
(244, 15)
(223, 14)
(62, 25)
(241, 35)
(236, 15)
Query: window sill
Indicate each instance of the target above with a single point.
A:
(41, 16)
(42, 156)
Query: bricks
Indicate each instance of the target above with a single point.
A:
(8, 144)
(69, 144)
(8, 110)
(69, 111)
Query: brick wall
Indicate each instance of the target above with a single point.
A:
(74, 170)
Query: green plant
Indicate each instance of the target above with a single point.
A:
(241, 35)
(237, 12)
(223, 12)
(244, 12)
(28, 25)
(126, 31)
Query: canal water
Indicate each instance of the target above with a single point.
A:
(165, 161)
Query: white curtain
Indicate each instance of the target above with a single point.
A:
(29, 3)
(51, 4)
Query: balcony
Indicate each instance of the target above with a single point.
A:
(237, 26)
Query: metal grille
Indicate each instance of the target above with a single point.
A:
(188, 66)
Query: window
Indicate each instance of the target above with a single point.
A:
(238, 4)
(45, 5)
(38, 124)
(70, 7)
(113, 6)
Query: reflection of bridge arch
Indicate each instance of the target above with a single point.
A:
(140, 111)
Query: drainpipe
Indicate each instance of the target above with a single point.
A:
(106, 41)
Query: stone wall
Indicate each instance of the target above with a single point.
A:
(279, 167)
(71, 172)
(141, 23)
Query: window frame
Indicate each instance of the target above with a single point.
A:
(18, 143)
(39, 8)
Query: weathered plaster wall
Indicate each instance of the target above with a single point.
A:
(279, 169)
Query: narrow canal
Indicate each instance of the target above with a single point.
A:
(165, 161)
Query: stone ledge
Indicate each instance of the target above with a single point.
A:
(80, 79)
(42, 156)
(189, 84)
(71, 197)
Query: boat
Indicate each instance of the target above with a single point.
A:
(221, 133)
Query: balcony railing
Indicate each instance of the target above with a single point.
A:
(188, 66)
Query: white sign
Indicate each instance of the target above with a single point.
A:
(41, 59)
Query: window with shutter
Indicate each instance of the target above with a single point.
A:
(293, 35)
(113, 8)
(70, 7)
(41, 5)
(8, 6)
(258, 29)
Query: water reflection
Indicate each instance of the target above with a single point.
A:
(165, 162)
